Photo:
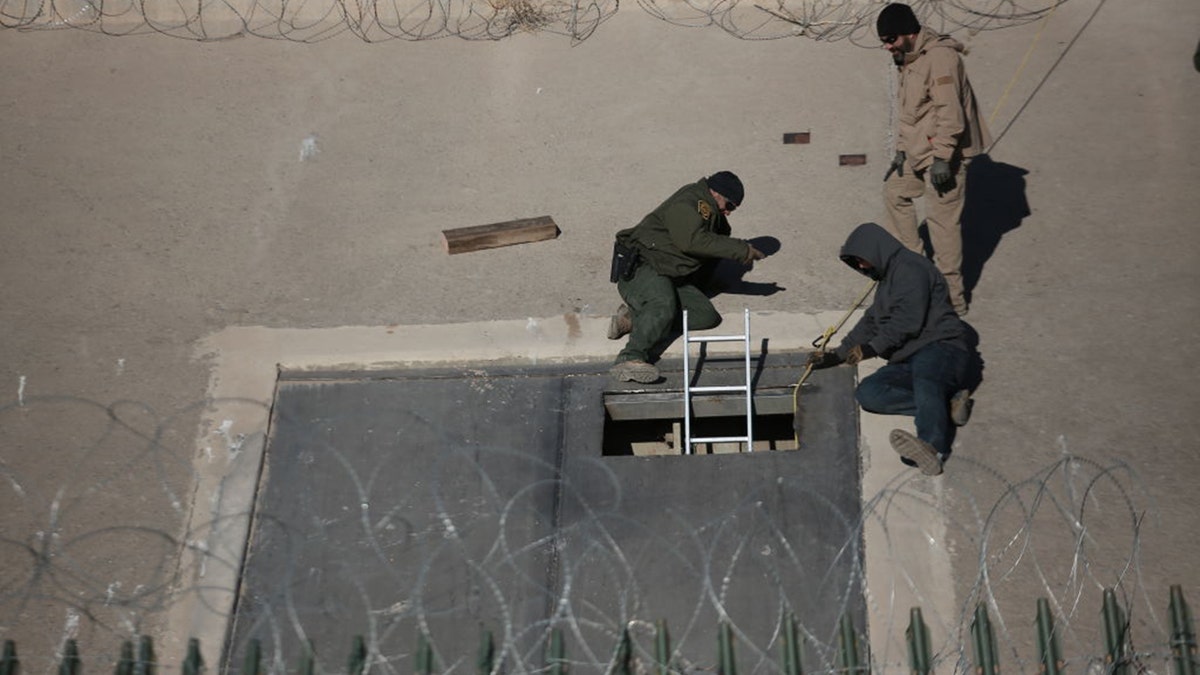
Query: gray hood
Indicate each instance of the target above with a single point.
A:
(874, 244)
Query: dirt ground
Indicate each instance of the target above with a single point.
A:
(154, 195)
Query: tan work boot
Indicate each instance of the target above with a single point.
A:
(917, 451)
(960, 407)
(634, 371)
(621, 324)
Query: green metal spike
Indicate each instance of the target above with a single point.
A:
(1183, 636)
(253, 663)
(125, 661)
(145, 661)
(486, 662)
(424, 665)
(9, 663)
(70, 660)
(623, 659)
(1116, 635)
(558, 657)
(848, 646)
(308, 659)
(918, 643)
(791, 646)
(662, 648)
(193, 662)
(1051, 656)
(727, 665)
(358, 657)
(984, 642)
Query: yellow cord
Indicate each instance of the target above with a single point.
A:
(824, 342)
(1021, 67)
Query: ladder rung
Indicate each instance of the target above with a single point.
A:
(719, 387)
(721, 439)
(718, 338)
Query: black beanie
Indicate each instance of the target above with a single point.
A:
(897, 19)
(728, 185)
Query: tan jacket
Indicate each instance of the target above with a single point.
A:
(938, 113)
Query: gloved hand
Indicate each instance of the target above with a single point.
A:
(819, 360)
(897, 166)
(858, 353)
(753, 254)
(940, 175)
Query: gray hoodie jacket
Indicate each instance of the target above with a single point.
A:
(911, 307)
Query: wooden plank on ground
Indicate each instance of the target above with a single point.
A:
(478, 237)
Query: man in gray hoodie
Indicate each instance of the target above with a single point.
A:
(912, 324)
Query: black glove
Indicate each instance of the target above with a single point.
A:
(897, 166)
(940, 175)
(858, 353)
(819, 360)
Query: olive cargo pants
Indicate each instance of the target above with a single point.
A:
(655, 304)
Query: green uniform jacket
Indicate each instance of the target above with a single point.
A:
(677, 237)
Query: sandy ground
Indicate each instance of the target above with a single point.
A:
(154, 197)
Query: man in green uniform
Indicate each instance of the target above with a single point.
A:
(664, 261)
(938, 131)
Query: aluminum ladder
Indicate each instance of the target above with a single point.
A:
(689, 390)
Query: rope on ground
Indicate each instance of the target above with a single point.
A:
(821, 343)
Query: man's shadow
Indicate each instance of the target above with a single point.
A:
(727, 276)
(995, 205)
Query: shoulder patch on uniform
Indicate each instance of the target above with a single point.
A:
(945, 79)
(704, 209)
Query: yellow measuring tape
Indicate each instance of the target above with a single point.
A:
(821, 343)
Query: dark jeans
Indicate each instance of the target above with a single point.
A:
(921, 387)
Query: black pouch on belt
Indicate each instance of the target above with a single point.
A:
(624, 262)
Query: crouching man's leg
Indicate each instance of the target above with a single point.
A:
(653, 307)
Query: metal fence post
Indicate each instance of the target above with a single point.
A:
(984, 642)
(791, 646)
(1183, 637)
(485, 663)
(726, 665)
(424, 665)
(70, 660)
(918, 643)
(145, 664)
(848, 646)
(357, 663)
(1048, 651)
(308, 659)
(558, 653)
(622, 660)
(253, 663)
(193, 662)
(1116, 635)
(9, 663)
(125, 660)
(662, 648)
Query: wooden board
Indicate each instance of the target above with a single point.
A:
(852, 160)
(478, 237)
(796, 137)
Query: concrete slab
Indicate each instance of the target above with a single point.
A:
(400, 502)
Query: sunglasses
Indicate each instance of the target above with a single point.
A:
(889, 39)
(730, 206)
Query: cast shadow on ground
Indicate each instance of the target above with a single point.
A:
(995, 205)
(728, 275)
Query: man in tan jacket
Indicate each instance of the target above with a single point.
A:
(938, 131)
